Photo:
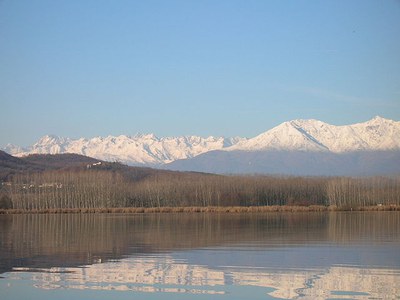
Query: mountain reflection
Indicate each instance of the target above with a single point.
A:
(164, 274)
(288, 255)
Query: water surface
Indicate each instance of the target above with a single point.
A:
(201, 256)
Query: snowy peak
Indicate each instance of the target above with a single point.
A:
(313, 135)
(148, 136)
(378, 134)
(378, 120)
(51, 144)
(287, 136)
(140, 149)
(296, 135)
(13, 149)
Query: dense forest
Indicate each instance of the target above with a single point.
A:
(111, 185)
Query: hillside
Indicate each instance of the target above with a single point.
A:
(37, 163)
(40, 162)
(11, 165)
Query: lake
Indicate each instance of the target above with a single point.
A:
(330, 255)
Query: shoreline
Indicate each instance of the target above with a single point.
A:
(201, 209)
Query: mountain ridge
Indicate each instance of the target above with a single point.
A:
(314, 135)
(140, 149)
(308, 135)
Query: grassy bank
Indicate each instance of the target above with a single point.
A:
(208, 209)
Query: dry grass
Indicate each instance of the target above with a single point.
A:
(198, 209)
(391, 207)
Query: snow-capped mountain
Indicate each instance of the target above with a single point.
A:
(314, 135)
(141, 149)
(308, 136)
(308, 147)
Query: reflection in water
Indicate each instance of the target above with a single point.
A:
(289, 255)
(164, 274)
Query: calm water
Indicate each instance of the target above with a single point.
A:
(201, 256)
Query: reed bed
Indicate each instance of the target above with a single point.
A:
(200, 209)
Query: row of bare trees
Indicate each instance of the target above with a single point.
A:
(54, 189)
(105, 189)
(352, 192)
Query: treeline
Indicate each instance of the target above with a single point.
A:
(100, 188)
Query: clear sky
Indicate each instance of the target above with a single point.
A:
(224, 68)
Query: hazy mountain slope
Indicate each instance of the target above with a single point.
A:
(357, 163)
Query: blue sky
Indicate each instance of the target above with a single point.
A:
(97, 68)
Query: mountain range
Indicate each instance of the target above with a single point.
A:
(304, 147)
(139, 150)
